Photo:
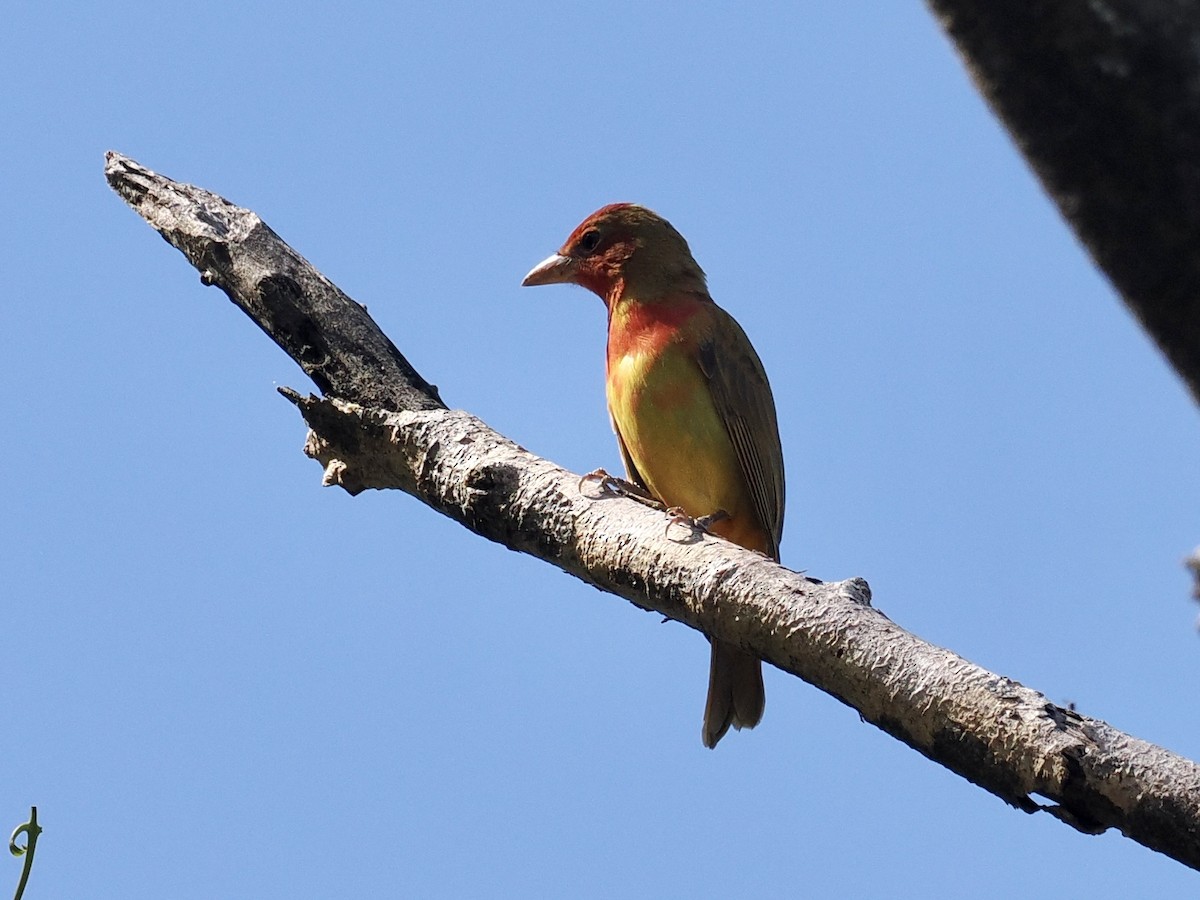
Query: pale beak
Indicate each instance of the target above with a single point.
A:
(556, 269)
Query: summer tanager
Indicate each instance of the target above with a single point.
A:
(690, 404)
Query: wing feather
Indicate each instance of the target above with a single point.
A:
(743, 399)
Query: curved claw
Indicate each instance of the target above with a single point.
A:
(611, 484)
(676, 516)
(702, 524)
(608, 484)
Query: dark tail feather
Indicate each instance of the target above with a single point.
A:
(735, 692)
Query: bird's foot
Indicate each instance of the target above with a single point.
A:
(607, 483)
(610, 484)
(703, 524)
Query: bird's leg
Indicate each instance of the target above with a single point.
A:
(606, 482)
(610, 484)
(704, 523)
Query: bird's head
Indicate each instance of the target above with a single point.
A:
(623, 250)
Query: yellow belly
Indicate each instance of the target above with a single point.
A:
(664, 412)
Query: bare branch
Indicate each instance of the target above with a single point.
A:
(1103, 98)
(989, 729)
(329, 336)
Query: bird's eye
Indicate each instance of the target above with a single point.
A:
(588, 242)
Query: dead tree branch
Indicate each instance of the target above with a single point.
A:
(382, 426)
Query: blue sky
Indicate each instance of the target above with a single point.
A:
(223, 680)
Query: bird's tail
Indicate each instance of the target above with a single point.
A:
(735, 692)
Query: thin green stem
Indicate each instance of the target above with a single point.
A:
(31, 830)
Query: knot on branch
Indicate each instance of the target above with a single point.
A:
(497, 506)
(1081, 804)
(490, 487)
(855, 589)
(283, 317)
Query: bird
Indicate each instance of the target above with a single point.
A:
(690, 403)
